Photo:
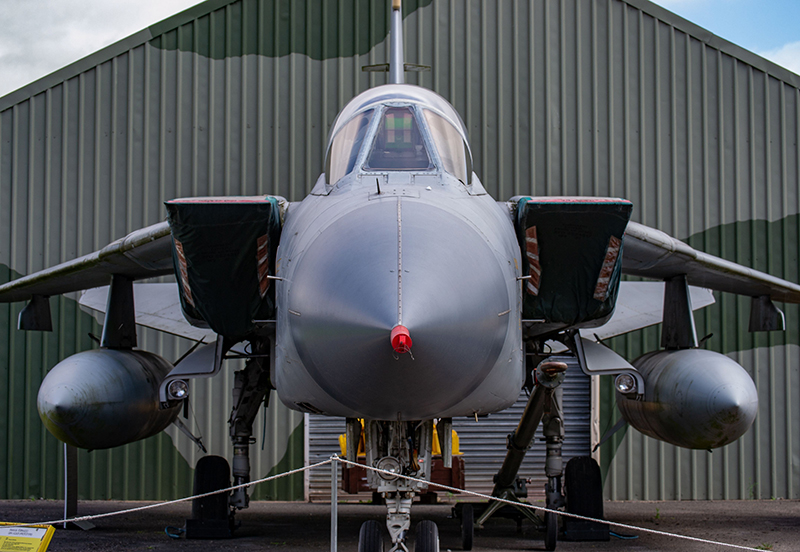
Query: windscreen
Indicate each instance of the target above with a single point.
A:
(450, 145)
(398, 144)
(345, 147)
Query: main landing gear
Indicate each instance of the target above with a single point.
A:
(213, 516)
(543, 406)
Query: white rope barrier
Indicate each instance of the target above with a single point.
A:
(335, 458)
(178, 500)
(543, 509)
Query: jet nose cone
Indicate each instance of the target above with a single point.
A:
(427, 271)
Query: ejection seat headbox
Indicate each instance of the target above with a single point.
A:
(571, 254)
(223, 252)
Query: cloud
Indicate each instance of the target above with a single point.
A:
(42, 36)
(787, 55)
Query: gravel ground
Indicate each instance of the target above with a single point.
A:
(290, 527)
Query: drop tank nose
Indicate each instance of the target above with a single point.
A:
(694, 398)
(381, 267)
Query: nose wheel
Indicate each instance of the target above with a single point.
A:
(427, 537)
(370, 538)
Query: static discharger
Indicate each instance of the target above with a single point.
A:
(401, 340)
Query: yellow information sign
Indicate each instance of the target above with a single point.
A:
(30, 538)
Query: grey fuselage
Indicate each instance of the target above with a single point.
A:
(380, 248)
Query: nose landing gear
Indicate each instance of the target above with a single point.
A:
(398, 448)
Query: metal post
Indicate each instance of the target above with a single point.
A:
(71, 490)
(70, 483)
(334, 502)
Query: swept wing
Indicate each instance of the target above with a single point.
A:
(651, 253)
(144, 253)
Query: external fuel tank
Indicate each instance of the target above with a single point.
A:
(105, 398)
(694, 398)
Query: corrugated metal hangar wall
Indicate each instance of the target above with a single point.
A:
(587, 97)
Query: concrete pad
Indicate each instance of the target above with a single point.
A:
(294, 527)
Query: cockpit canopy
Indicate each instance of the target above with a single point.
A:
(398, 135)
(398, 144)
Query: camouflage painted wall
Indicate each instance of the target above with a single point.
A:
(587, 97)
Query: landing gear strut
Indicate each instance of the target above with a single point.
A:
(553, 429)
(251, 388)
(544, 405)
(213, 516)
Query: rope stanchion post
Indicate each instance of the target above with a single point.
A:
(177, 500)
(334, 502)
(71, 490)
(335, 461)
(70, 483)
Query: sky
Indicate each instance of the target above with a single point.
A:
(38, 37)
(770, 28)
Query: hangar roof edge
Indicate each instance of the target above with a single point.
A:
(723, 45)
(109, 52)
(137, 39)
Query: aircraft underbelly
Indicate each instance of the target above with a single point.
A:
(400, 261)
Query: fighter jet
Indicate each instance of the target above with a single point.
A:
(398, 292)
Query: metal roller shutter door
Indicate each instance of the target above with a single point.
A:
(483, 443)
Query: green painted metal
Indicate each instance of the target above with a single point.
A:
(290, 486)
(283, 27)
(31, 464)
(560, 97)
(761, 464)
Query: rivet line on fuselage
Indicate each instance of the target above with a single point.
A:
(399, 262)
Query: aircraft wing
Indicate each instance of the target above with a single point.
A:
(639, 305)
(651, 253)
(144, 253)
(158, 306)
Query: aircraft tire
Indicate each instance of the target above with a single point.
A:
(212, 473)
(427, 537)
(467, 527)
(551, 530)
(370, 538)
